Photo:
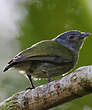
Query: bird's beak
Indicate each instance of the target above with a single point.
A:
(85, 34)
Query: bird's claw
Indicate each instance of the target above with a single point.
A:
(30, 88)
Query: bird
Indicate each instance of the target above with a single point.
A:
(49, 58)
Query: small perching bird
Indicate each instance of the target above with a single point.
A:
(49, 58)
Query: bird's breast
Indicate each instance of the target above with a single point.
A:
(47, 69)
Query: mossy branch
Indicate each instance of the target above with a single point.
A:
(72, 86)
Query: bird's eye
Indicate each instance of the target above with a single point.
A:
(71, 37)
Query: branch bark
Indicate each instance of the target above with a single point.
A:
(72, 86)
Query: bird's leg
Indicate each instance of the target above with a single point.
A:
(30, 79)
(49, 79)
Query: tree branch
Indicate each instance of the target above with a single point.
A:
(72, 86)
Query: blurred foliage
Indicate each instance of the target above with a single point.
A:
(45, 20)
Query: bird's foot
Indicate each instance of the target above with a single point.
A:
(30, 88)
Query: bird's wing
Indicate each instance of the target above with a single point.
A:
(47, 50)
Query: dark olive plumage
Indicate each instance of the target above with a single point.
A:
(50, 58)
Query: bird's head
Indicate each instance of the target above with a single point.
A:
(72, 39)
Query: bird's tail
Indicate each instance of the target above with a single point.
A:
(7, 67)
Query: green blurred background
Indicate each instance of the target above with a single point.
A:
(25, 22)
